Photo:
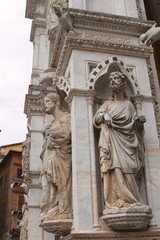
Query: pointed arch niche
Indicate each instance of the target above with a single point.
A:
(98, 79)
(99, 82)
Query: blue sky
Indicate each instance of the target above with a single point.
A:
(15, 70)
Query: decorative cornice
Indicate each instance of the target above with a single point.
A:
(92, 23)
(101, 21)
(62, 52)
(34, 104)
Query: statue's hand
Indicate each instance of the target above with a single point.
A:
(107, 119)
(99, 118)
(141, 119)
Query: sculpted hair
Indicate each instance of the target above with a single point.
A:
(123, 84)
(54, 98)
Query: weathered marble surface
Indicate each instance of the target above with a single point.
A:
(151, 36)
(56, 162)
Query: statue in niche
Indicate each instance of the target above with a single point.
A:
(121, 147)
(56, 162)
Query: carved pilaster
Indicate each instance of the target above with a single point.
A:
(153, 91)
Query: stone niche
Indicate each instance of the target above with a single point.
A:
(133, 216)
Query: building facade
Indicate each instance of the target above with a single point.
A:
(12, 195)
(77, 45)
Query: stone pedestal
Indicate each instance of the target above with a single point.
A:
(107, 235)
(57, 227)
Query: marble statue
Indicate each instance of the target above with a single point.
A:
(120, 146)
(64, 20)
(25, 153)
(56, 162)
(60, 3)
(151, 36)
(24, 222)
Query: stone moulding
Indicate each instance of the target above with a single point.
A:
(104, 19)
(37, 23)
(63, 51)
(34, 104)
(109, 235)
(58, 227)
(30, 8)
(139, 9)
(98, 22)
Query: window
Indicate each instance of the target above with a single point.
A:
(20, 201)
(19, 172)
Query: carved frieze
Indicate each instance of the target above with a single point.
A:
(104, 42)
(92, 44)
(108, 22)
(34, 104)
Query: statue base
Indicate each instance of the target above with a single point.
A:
(131, 218)
(58, 227)
(111, 235)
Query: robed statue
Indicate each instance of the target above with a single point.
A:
(121, 146)
(56, 162)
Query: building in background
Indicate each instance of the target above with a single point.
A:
(74, 51)
(11, 193)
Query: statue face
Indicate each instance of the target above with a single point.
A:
(116, 81)
(49, 105)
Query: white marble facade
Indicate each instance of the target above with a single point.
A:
(78, 62)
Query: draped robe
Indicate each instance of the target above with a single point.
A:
(56, 161)
(121, 152)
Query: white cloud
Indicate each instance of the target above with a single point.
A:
(15, 70)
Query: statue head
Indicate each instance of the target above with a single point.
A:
(117, 82)
(57, 11)
(51, 101)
